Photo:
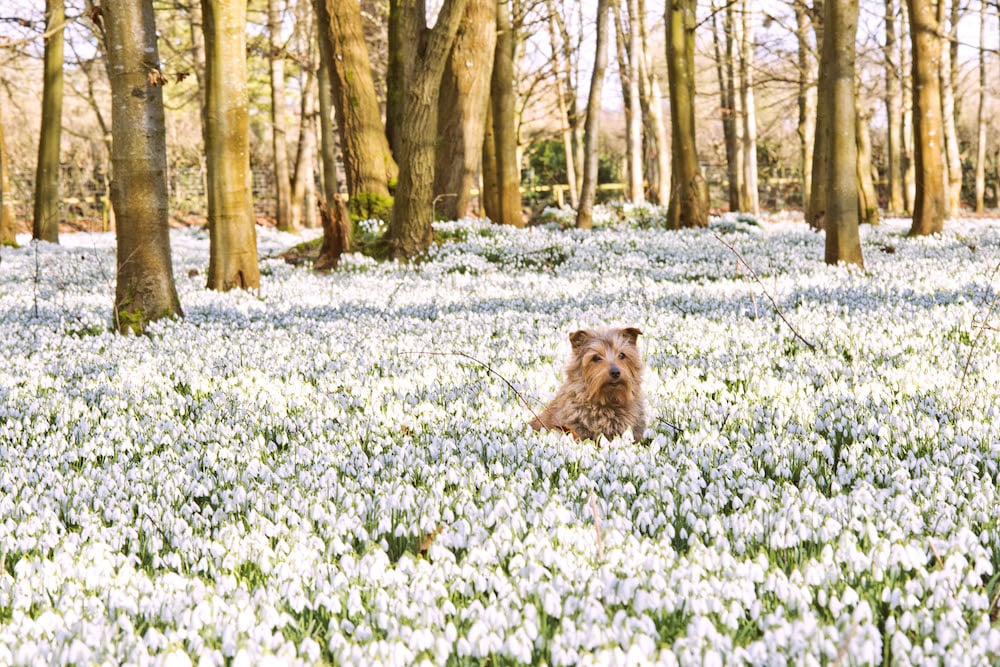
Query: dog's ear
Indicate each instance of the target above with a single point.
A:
(579, 338)
(631, 334)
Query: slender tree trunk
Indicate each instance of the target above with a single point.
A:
(893, 109)
(948, 75)
(232, 233)
(656, 148)
(465, 94)
(46, 214)
(328, 142)
(806, 100)
(906, 65)
(279, 120)
(867, 197)
(571, 60)
(981, 115)
(688, 190)
(929, 204)
(840, 26)
(145, 288)
(303, 175)
(369, 167)
(490, 192)
(410, 230)
(731, 127)
(502, 98)
(750, 196)
(817, 212)
(588, 190)
(628, 46)
(8, 235)
(562, 75)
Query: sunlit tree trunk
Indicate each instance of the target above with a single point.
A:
(279, 119)
(303, 174)
(948, 75)
(8, 235)
(465, 93)
(628, 46)
(369, 166)
(725, 57)
(490, 191)
(893, 109)
(145, 288)
(929, 200)
(562, 76)
(867, 197)
(232, 234)
(656, 148)
(328, 142)
(502, 99)
(46, 210)
(981, 114)
(688, 190)
(836, 78)
(751, 198)
(906, 65)
(806, 99)
(588, 189)
(410, 229)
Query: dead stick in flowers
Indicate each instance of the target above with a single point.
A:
(766, 293)
(985, 326)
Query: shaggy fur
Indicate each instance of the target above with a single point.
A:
(602, 393)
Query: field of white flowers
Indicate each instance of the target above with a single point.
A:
(336, 470)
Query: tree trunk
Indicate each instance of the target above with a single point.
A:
(336, 234)
(929, 200)
(816, 212)
(840, 26)
(232, 234)
(751, 198)
(588, 190)
(465, 94)
(279, 120)
(906, 65)
(893, 110)
(145, 288)
(571, 61)
(410, 230)
(490, 191)
(502, 98)
(806, 100)
(303, 175)
(328, 143)
(369, 167)
(655, 148)
(688, 190)
(726, 71)
(867, 197)
(981, 115)
(948, 75)
(8, 235)
(562, 75)
(628, 46)
(46, 212)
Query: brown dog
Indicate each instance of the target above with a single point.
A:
(602, 393)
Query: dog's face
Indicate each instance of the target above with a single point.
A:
(608, 361)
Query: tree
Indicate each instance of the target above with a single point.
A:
(564, 101)
(369, 167)
(655, 150)
(725, 56)
(929, 202)
(7, 234)
(980, 187)
(627, 39)
(410, 230)
(588, 189)
(688, 190)
(948, 75)
(465, 93)
(232, 234)
(279, 120)
(145, 288)
(836, 81)
(893, 109)
(806, 128)
(502, 101)
(749, 198)
(46, 212)
(328, 142)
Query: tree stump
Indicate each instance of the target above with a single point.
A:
(336, 234)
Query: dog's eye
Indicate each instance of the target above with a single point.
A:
(596, 358)
(621, 355)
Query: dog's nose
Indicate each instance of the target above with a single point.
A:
(615, 373)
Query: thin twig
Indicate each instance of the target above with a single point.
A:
(975, 341)
(766, 293)
(597, 525)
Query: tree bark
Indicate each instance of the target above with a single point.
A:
(369, 166)
(806, 100)
(655, 147)
(279, 120)
(948, 75)
(145, 288)
(490, 191)
(628, 46)
(840, 26)
(232, 233)
(816, 213)
(724, 58)
(750, 197)
(867, 197)
(588, 189)
(893, 110)
(502, 98)
(562, 75)
(929, 200)
(410, 230)
(8, 235)
(45, 224)
(328, 142)
(981, 115)
(465, 94)
(906, 65)
(688, 190)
